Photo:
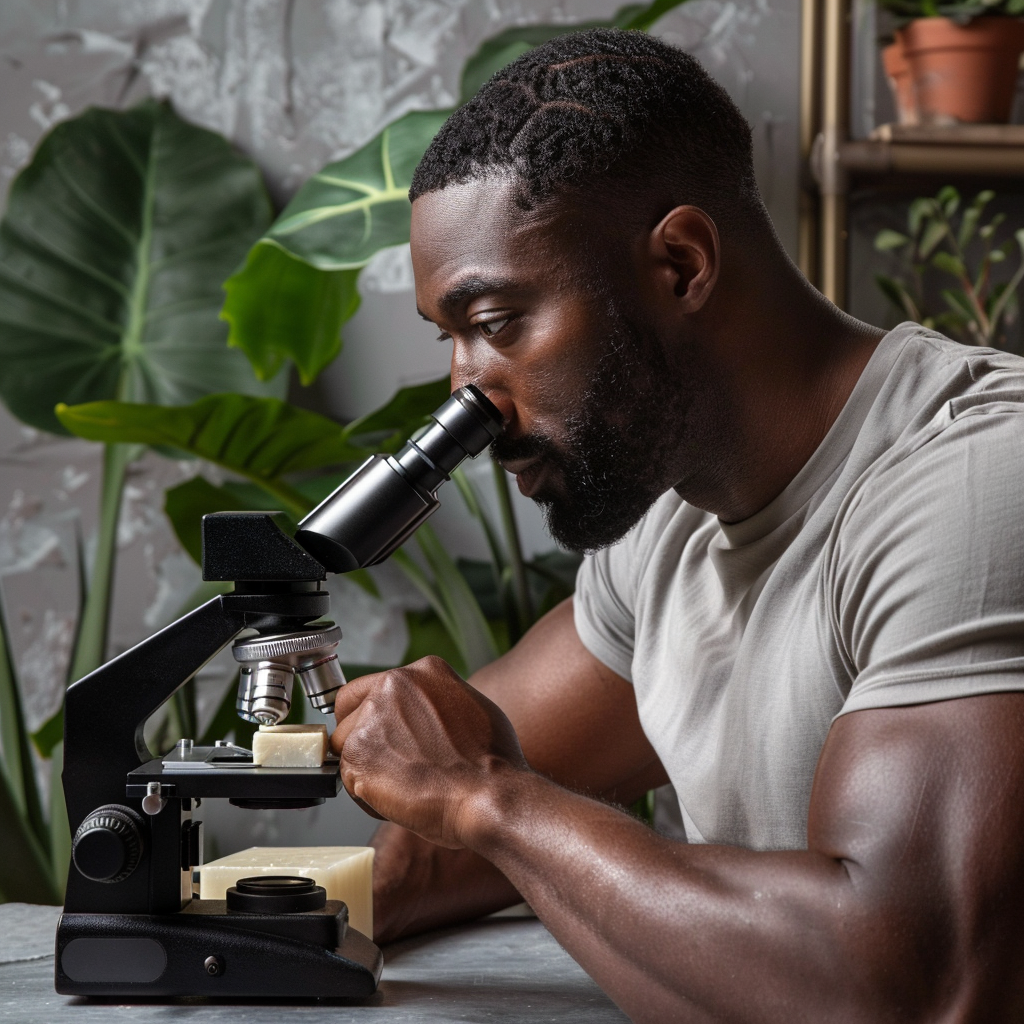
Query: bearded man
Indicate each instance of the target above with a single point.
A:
(803, 603)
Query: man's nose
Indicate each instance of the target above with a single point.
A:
(463, 374)
(501, 401)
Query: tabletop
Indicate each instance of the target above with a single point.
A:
(494, 970)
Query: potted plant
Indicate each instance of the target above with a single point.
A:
(961, 59)
(897, 71)
(949, 253)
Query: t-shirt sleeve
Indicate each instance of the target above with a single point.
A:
(928, 568)
(603, 608)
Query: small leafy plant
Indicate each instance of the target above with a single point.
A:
(946, 244)
(961, 11)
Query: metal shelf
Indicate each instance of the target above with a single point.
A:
(833, 159)
(996, 149)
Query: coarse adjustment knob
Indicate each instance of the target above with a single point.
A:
(108, 845)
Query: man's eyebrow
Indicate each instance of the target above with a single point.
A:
(459, 294)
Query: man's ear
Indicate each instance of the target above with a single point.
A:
(687, 251)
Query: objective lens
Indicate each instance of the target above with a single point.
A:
(321, 680)
(264, 692)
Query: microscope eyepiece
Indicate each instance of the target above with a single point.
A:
(377, 508)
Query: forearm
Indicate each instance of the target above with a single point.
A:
(418, 885)
(694, 933)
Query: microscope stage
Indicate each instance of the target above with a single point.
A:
(227, 771)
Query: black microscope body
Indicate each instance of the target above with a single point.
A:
(131, 926)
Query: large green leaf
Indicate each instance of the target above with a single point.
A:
(386, 428)
(262, 439)
(337, 221)
(357, 206)
(116, 240)
(278, 305)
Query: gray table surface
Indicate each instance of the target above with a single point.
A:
(495, 970)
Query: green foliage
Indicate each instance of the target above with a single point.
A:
(278, 303)
(337, 221)
(269, 442)
(262, 439)
(112, 249)
(386, 429)
(115, 241)
(961, 11)
(943, 243)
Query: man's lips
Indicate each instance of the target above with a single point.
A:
(517, 466)
(527, 472)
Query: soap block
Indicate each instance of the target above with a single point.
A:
(290, 746)
(346, 872)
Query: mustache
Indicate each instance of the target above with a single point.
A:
(528, 446)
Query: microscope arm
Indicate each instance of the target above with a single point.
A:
(106, 711)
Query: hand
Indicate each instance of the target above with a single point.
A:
(418, 745)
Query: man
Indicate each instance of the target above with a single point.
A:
(804, 604)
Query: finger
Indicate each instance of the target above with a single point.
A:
(352, 694)
(366, 807)
(344, 728)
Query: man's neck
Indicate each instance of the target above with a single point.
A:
(786, 361)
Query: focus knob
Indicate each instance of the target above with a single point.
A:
(108, 845)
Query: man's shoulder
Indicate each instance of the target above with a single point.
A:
(956, 419)
(942, 370)
(931, 382)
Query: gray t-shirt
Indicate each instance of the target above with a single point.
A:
(889, 572)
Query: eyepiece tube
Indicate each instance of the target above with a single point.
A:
(377, 508)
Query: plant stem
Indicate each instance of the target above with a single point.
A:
(94, 623)
(15, 744)
(60, 830)
(27, 877)
(524, 602)
(469, 496)
(1000, 307)
(418, 578)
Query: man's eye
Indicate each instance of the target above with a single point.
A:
(444, 336)
(491, 327)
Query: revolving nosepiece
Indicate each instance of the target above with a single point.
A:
(270, 665)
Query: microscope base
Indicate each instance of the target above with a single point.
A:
(204, 951)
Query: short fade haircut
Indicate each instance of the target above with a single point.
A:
(597, 109)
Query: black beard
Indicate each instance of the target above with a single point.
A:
(620, 442)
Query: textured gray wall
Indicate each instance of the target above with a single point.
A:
(294, 83)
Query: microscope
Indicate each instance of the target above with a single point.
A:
(131, 926)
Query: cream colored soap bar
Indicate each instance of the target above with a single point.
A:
(290, 746)
(346, 872)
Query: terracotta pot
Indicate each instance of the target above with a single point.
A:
(963, 72)
(898, 72)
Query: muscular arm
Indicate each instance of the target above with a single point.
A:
(577, 723)
(906, 906)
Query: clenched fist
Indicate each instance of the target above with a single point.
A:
(424, 749)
